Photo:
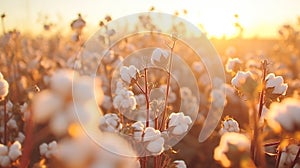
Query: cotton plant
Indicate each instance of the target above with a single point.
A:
(133, 92)
(268, 108)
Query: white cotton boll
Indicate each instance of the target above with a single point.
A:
(14, 154)
(204, 79)
(156, 146)
(61, 82)
(276, 82)
(45, 104)
(138, 129)
(15, 151)
(86, 88)
(286, 113)
(107, 102)
(218, 98)
(179, 122)
(110, 32)
(110, 123)
(198, 67)
(128, 73)
(232, 64)
(160, 57)
(4, 161)
(172, 96)
(1, 76)
(240, 78)
(151, 134)
(230, 125)
(4, 88)
(180, 129)
(59, 124)
(43, 149)
(9, 105)
(124, 100)
(12, 124)
(3, 150)
(51, 149)
(179, 164)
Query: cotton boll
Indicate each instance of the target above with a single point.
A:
(276, 82)
(4, 161)
(15, 151)
(151, 134)
(198, 67)
(45, 104)
(61, 82)
(4, 88)
(229, 125)
(240, 78)
(286, 113)
(156, 146)
(179, 123)
(138, 129)
(232, 64)
(86, 88)
(3, 150)
(179, 164)
(12, 124)
(43, 149)
(110, 123)
(128, 73)
(218, 98)
(59, 124)
(160, 58)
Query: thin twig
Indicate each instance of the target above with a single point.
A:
(162, 126)
(262, 94)
(5, 124)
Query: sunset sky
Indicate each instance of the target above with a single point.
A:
(260, 18)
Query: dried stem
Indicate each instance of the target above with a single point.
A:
(5, 120)
(162, 126)
(28, 143)
(262, 94)
(147, 98)
(256, 144)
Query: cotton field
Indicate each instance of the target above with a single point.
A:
(143, 94)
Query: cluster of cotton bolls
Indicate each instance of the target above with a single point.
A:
(55, 105)
(9, 154)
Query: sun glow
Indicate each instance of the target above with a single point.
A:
(216, 17)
